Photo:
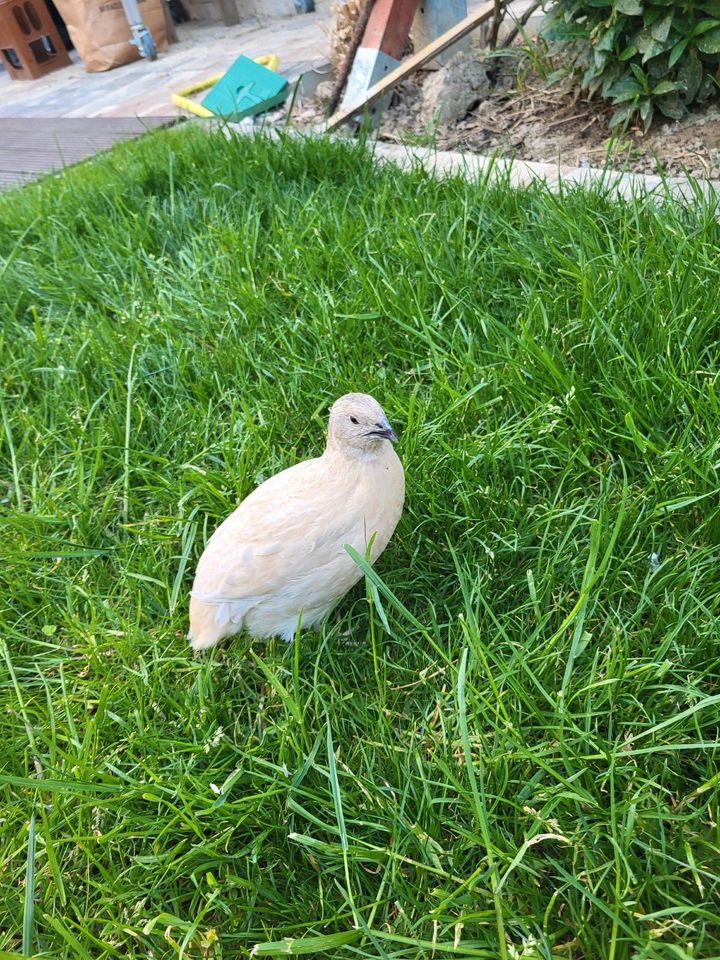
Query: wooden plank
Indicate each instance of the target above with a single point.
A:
(381, 47)
(413, 63)
(32, 147)
(229, 13)
(170, 30)
(388, 26)
(346, 66)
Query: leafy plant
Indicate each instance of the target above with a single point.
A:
(642, 55)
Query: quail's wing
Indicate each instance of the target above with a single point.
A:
(296, 521)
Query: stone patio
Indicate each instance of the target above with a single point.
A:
(143, 88)
(36, 135)
(68, 115)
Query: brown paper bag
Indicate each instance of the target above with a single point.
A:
(101, 33)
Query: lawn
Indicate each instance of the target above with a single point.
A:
(507, 744)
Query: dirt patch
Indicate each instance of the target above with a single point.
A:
(515, 112)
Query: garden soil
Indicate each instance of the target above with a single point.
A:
(519, 113)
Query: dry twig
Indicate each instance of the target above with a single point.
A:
(519, 24)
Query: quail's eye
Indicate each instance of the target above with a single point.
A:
(353, 419)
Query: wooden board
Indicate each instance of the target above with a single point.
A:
(229, 12)
(32, 147)
(388, 26)
(413, 63)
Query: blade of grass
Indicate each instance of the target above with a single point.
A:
(28, 926)
(304, 946)
(339, 816)
(477, 786)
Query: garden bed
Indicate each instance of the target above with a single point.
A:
(522, 115)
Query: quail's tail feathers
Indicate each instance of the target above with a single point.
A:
(212, 618)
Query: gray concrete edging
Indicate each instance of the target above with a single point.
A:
(520, 173)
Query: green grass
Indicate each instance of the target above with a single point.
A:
(507, 746)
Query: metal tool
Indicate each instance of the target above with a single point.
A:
(141, 36)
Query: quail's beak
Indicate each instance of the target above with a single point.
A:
(384, 431)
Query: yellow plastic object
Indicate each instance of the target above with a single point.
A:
(269, 60)
(180, 99)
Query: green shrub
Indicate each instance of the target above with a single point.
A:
(642, 55)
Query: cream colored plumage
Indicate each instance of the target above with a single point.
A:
(282, 551)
